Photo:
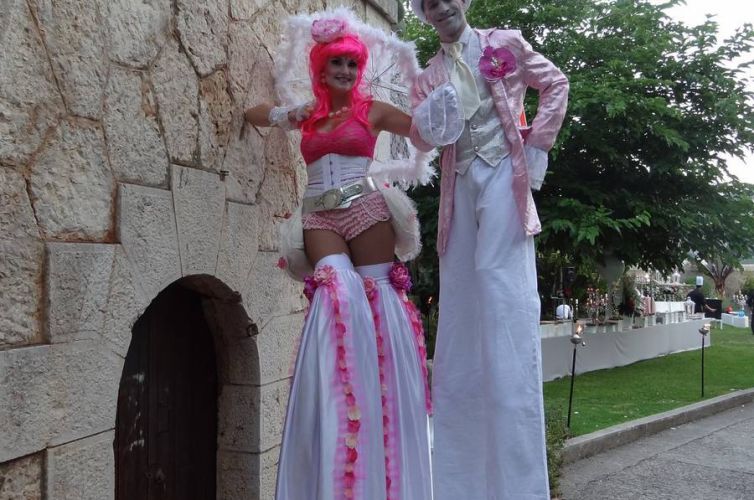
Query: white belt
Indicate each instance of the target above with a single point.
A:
(340, 197)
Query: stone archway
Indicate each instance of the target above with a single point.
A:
(159, 447)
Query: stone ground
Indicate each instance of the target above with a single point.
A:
(709, 459)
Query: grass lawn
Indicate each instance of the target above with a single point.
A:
(608, 397)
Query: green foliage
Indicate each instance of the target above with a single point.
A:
(747, 288)
(629, 295)
(638, 170)
(556, 435)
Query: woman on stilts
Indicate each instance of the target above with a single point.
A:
(357, 419)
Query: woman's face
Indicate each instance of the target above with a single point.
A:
(340, 73)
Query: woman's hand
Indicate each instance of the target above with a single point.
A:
(300, 113)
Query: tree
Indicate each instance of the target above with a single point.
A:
(655, 106)
(719, 272)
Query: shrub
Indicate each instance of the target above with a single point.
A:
(556, 434)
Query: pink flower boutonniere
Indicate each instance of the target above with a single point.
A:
(496, 63)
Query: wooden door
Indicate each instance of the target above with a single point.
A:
(166, 426)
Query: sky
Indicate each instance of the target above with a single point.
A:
(729, 14)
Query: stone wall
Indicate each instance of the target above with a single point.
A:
(123, 169)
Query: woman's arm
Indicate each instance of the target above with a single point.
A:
(268, 115)
(387, 117)
(259, 115)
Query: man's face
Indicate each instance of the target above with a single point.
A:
(447, 17)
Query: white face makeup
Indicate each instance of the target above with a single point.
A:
(340, 73)
(447, 16)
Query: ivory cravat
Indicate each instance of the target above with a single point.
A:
(463, 79)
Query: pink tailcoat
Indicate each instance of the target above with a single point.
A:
(532, 70)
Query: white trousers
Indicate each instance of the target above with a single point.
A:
(314, 457)
(407, 424)
(489, 438)
(384, 376)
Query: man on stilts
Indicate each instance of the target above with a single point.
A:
(487, 380)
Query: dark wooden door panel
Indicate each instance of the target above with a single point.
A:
(166, 436)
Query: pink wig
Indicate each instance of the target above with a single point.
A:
(348, 45)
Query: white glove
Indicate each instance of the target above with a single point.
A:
(439, 118)
(536, 159)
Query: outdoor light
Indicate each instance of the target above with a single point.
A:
(576, 340)
(704, 330)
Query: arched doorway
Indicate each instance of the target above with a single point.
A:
(166, 424)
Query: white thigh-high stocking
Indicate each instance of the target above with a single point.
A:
(333, 436)
(403, 378)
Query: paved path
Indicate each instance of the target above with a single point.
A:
(710, 459)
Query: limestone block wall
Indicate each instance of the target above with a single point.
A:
(123, 169)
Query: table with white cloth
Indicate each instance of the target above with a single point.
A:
(611, 349)
(735, 320)
(670, 312)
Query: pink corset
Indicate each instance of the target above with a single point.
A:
(350, 138)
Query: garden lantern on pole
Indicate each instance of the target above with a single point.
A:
(576, 339)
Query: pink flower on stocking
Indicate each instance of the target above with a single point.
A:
(370, 287)
(310, 286)
(324, 275)
(400, 278)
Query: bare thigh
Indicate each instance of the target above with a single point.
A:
(373, 246)
(320, 243)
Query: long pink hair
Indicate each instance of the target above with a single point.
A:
(348, 45)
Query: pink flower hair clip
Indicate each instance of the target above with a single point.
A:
(327, 30)
(496, 63)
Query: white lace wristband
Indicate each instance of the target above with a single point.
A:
(278, 117)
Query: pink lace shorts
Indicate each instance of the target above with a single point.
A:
(350, 222)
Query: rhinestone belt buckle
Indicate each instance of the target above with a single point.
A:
(331, 199)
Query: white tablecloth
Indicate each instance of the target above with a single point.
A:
(735, 320)
(607, 350)
(666, 307)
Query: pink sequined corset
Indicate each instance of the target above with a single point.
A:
(350, 138)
